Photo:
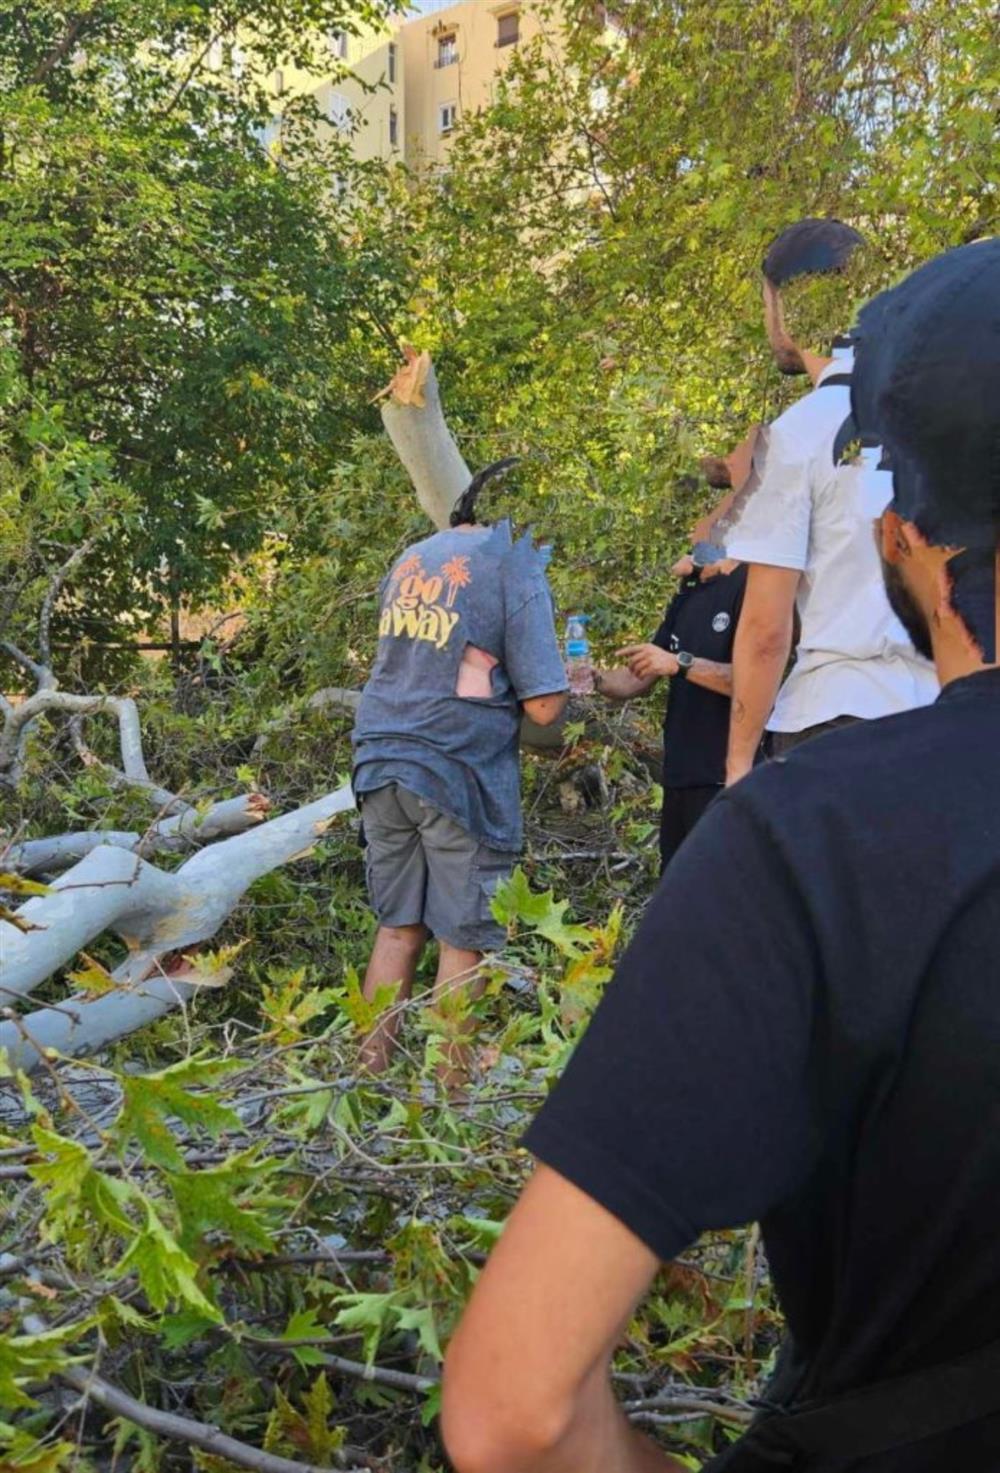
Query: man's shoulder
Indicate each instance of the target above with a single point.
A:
(819, 412)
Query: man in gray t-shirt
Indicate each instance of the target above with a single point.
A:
(467, 643)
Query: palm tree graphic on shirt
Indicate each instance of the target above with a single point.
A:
(456, 570)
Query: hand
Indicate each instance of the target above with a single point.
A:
(648, 661)
(726, 566)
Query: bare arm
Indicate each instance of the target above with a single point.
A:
(713, 675)
(760, 653)
(526, 1386)
(545, 710)
(621, 685)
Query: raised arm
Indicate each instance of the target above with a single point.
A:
(760, 654)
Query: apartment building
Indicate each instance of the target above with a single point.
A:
(399, 92)
(361, 95)
(452, 58)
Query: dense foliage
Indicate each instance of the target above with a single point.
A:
(219, 1213)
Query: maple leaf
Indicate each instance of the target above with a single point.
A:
(93, 979)
(165, 1271)
(149, 1100)
(540, 912)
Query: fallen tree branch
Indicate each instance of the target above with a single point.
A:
(155, 912)
(177, 832)
(174, 1428)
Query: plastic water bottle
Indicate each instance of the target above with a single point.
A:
(545, 553)
(578, 670)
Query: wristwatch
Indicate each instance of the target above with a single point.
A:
(684, 662)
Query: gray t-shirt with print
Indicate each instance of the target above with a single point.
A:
(466, 632)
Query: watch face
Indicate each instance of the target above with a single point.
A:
(684, 660)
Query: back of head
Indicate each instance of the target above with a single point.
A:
(810, 247)
(816, 269)
(926, 386)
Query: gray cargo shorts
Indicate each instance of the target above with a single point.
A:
(423, 866)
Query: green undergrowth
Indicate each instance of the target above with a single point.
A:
(226, 1220)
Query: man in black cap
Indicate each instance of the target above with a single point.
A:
(801, 525)
(806, 1029)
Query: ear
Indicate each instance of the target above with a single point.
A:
(895, 535)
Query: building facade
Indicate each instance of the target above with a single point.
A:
(400, 92)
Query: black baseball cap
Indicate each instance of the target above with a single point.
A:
(810, 248)
(926, 386)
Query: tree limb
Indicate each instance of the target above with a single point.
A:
(157, 913)
(56, 585)
(176, 1429)
(178, 832)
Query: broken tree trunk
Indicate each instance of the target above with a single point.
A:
(415, 423)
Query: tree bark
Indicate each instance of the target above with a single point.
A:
(155, 912)
(415, 423)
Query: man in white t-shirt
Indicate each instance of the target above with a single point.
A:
(804, 524)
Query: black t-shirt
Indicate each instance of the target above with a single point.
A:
(806, 1031)
(701, 619)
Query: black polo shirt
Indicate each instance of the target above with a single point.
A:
(806, 1031)
(701, 619)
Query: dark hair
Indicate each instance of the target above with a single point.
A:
(809, 248)
(464, 511)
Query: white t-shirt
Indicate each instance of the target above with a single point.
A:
(799, 510)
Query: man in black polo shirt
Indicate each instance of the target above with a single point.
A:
(806, 1028)
(693, 649)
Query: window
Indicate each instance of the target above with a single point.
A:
(447, 51)
(338, 44)
(393, 127)
(338, 111)
(392, 61)
(507, 28)
(447, 116)
(269, 134)
(278, 82)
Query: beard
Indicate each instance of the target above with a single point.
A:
(907, 611)
(789, 361)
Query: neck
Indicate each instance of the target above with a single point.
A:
(814, 363)
(956, 654)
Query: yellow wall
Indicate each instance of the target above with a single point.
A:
(468, 82)
(422, 84)
(369, 113)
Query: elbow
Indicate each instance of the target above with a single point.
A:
(489, 1427)
(546, 710)
(769, 643)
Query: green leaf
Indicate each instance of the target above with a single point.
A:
(28, 1358)
(421, 1320)
(364, 1014)
(150, 1100)
(219, 1200)
(515, 901)
(165, 1271)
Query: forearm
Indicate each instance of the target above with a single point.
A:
(712, 675)
(760, 656)
(620, 684)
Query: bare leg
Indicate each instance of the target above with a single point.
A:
(454, 963)
(394, 958)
